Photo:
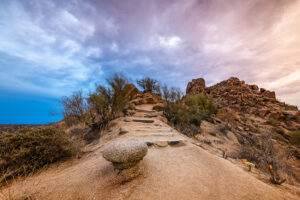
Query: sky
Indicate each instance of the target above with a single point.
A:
(51, 48)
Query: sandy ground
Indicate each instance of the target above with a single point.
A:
(172, 172)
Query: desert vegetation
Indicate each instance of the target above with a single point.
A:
(149, 84)
(30, 149)
(186, 114)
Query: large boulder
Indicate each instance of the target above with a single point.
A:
(130, 91)
(269, 94)
(125, 153)
(196, 86)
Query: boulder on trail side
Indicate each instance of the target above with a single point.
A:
(125, 153)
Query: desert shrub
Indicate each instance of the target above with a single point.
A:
(290, 107)
(107, 102)
(158, 107)
(171, 95)
(201, 105)
(100, 111)
(74, 108)
(244, 118)
(272, 122)
(278, 137)
(28, 150)
(149, 84)
(228, 116)
(295, 138)
(187, 115)
(280, 131)
(260, 150)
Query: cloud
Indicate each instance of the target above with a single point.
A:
(75, 44)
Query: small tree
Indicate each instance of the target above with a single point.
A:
(171, 95)
(74, 107)
(100, 112)
(117, 83)
(107, 102)
(149, 84)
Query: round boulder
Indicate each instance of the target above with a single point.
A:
(125, 153)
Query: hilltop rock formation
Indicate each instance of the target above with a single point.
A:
(196, 86)
(245, 98)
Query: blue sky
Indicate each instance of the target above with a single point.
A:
(51, 48)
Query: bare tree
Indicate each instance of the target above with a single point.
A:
(149, 84)
(74, 107)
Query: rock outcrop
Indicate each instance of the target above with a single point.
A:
(237, 95)
(146, 98)
(196, 86)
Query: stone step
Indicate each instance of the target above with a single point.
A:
(153, 134)
(156, 130)
(143, 120)
(165, 143)
(145, 111)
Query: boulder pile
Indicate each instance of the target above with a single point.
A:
(242, 97)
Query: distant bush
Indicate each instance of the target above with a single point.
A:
(228, 116)
(290, 107)
(244, 118)
(28, 150)
(187, 115)
(171, 95)
(295, 138)
(272, 122)
(149, 84)
(278, 137)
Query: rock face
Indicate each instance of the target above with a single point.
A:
(130, 91)
(146, 98)
(125, 153)
(196, 86)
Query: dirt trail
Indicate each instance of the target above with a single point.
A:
(171, 172)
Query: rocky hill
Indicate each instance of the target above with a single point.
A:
(248, 99)
(254, 111)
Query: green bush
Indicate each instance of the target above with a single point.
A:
(187, 115)
(107, 102)
(244, 118)
(278, 137)
(171, 95)
(272, 122)
(28, 150)
(295, 138)
(290, 107)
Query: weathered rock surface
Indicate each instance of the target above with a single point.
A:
(241, 97)
(123, 130)
(125, 153)
(130, 91)
(146, 98)
(196, 86)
